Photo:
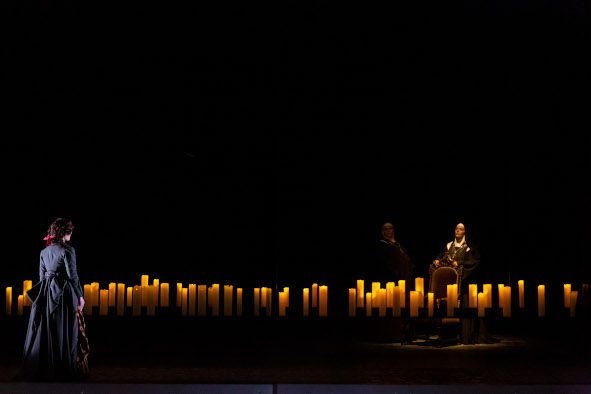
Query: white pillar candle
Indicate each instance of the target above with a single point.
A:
(19, 305)
(368, 306)
(521, 285)
(352, 302)
(541, 300)
(215, 308)
(120, 299)
(360, 293)
(104, 302)
(501, 296)
(9, 300)
(567, 291)
(192, 299)
(228, 304)
(282, 304)
(487, 290)
(144, 280)
(507, 301)
(164, 295)
(257, 300)
(402, 291)
(390, 294)
(481, 304)
(314, 295)
(323, 301)
(420, 289)
(286, 291)
(382, 302)
(95, 294)
(112, 294)
(430, 304)
(87, 299)
(306, 301)
(396, 301)
(473, 296)
(414, 304)
(239, 301)
(202, 300)
(129, 296)
(179, 294)
(375, 294)
(264, 294)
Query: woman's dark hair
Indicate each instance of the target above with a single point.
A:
(58, 229)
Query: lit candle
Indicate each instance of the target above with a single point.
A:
(306, 301)
(420, 289)
(473, 292)
(481, 304)
(368, 307)
(323, 301)
(567, 291)
(228, 293)
(257, 298)
(402, 291)
(202, 300)
(573, 302)
(390, 294)
(112, 294)
(239, 301)
(104, 302)
(192, 299)
(396, 301)
(450, 303)
(269, 301)
(487, 290)
(144, 295)
(95, 294)
(179, 294)
(27, 285)
(282, 303)
(184, 301)
(264, 294)
(375, 293)
(314, 295)
(129, 296)
(352, 303)
(414, 304)
(87, 299)
(137, 300)
(144, 280)
(430, 304)
(215, 308)
(507, 301)
(382, 302)
(360, 293)
(286, 291)
(120, 299)
(541, 300)
(521, 285)
(9, 300)
(501, 296)
(164, 295)
(19, 303)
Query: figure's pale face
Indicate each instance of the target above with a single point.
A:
(388, 230)
(67, 237)
(460, 232)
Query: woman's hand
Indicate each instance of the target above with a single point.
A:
(81, 304)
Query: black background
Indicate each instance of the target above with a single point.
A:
(267, 143)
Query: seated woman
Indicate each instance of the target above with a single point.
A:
(458, 252)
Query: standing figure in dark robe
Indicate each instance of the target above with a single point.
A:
(52, 351)
(392, 260)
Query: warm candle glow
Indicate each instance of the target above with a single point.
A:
(228, 299)
(27, 285)
(144, 280)
(396, 301)
(352, 302)
(95, 294)
(368, 306)
(487, 290)
(87, 299)
(414, 304)
(481, 304)
(184, 301)
(541, 300)
(257, 301)
(19, 303)
(402, 291)
(136, 300)
(375, 294)
(192, 299)
(473, 296)
(239, 301)
(9, 300)
(323, 301)
(152, 299)
(269, 301)
(430, 304)
(573, 302)
(164, 295)
(306, 301)
(104, 302)
(521, 285)
(215, 307)
(567, 291)
(264, 294)
(129, 296)
(360, 293)
(120, 299)
(382, 302)
(179, 294)
(314, 295)
(449, 300)
(202, 300)
(112, 294)
(390, 294)
(282, 303)
(286, 291)
(507, 301)
(501, 296)
(420, 289)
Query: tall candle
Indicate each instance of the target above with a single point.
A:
(286, 291)
(323, 301)
(314, 295)
(430, 304)
(120, 299)
(184, 301)
(481, 304)
(507, 301)
(375, 293)
(573, 302)
(19, 304)
(202, 300)
(95, 294)
(396, 301)
(414, 304)
(269, 301)
(263, 297)
(137, 301)
(239, 301)
(257, 300)
(164, 295)
(521, 285)
(352, 302)
(473, 294)
(382, 302)
(567, 291)
(390, 294)
(360, 293)
(104, 302)
(402, 291)
(129, 296)
(215, 308)
(420, 289)
(27, 285)
(9, 300)
(179, 294)
(450, 303)
(228, 304)
(368, 306)
(306, 301)
(487, 290)
(501, 296)
(192, 299)
(112, 294)
(87, 299)
(282, 303)
(541, 300)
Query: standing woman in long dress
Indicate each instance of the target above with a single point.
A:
(56, 346)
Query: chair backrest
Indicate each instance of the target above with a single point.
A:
(443, 276)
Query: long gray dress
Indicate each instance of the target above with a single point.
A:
(51, 343)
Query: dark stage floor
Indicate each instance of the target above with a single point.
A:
(334, 355)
